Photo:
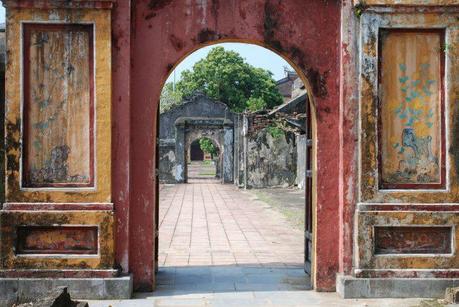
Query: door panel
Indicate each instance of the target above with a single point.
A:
(156, 231)
(308, 246)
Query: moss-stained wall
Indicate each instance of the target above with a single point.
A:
(57, 219)
(99, 191)
(11, 258)
(271, 158)
(407, 212)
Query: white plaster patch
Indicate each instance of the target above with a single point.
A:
(171, 156)
(179, 173)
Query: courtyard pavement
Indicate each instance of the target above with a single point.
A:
(221, 246)
(213, 224)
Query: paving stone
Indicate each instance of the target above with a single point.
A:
(210, 223)
(181, 302)
(256, 255)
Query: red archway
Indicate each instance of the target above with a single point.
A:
(165, 31)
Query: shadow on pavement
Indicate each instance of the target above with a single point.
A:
(229, 278)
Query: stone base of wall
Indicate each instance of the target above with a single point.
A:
(352, 287)
(13, 290)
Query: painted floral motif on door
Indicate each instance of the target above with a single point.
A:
(58, 106)
(411, 129)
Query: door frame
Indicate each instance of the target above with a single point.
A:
(309, 36)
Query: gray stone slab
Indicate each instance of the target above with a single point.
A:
(255, 287)
(239, 302)
(180, 302)
(248, 298)
(14, 290)
(351, 287)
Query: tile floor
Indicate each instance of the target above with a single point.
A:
(221, 246)
(209, 223)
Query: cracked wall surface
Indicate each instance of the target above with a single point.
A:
(57, 219)
(414, 220)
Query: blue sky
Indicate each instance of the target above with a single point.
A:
(2, 13)
(254, 54)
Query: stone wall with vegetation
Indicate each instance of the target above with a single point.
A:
(266, 153)
(271, 158)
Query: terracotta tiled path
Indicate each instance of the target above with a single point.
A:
(220, 246)
(208, 223)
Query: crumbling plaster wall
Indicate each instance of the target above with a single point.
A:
(82, 218)
(271, 160)
(264, 159)
(167, 161)
(406, 231)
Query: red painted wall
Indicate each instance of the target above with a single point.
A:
(163, 32)
(121, 56)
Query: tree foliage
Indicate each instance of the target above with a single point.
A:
(207, 146)
(256, 104)
(170, 98)
(224, 75)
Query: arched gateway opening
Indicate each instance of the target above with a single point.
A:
(306, 36)
(235, 172)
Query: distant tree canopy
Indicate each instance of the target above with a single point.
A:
(224, 75)
(207, 146)
(170, 98)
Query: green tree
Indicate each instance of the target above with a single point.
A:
(170, 98)
(225, 76)
(256, 104)
(207, 146)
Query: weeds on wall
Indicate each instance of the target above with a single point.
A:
(280, 126)
(359, 8)
(275, 131)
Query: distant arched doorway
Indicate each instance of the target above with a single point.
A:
(196, 153)
(204, 160)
